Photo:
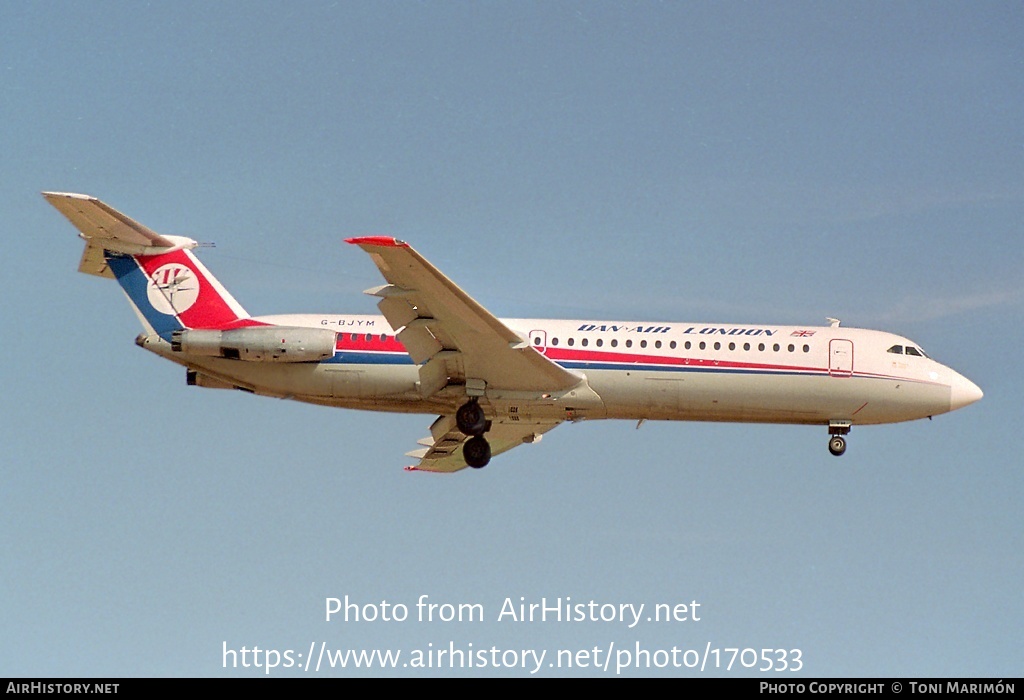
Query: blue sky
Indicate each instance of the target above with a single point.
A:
(727, 162)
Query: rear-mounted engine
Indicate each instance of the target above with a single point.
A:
(270, 344)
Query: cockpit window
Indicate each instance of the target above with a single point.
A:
(908, 350)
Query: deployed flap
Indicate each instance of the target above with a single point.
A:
(438, 316)
(443, 451)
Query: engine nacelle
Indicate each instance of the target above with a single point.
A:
(269, 344)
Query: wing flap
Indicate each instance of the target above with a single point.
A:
(444, 454)
(397, 311)
(419, 342)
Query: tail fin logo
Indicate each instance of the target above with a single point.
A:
(173, 288)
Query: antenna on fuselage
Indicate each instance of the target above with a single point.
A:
(834, 322)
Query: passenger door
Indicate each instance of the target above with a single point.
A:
(840, 358)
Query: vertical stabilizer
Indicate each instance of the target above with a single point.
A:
(168, 286)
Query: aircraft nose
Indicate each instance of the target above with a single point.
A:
(963, 392)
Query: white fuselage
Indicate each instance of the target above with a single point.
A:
(629, 370)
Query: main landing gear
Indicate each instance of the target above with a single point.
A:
(471, 420)
(837, 429)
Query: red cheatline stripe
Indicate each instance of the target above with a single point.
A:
(632, 358)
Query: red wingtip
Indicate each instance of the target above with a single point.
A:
(410, 469)
(385, 241)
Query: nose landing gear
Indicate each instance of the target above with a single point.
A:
(837, 445)
(837, 429)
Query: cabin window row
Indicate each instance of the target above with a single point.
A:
(688, 345)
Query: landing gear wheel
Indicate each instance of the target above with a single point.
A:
(837, 445)
(470, 418)
(477, 452)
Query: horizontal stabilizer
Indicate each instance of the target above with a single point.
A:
(104, 228)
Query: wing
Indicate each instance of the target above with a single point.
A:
(452, 337)
(443, 451)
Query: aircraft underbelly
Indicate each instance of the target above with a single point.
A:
(779, 398)
(372, 381)
(322, 381)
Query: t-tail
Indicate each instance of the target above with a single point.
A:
(165, 283)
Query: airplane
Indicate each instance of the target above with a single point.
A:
(495, 384)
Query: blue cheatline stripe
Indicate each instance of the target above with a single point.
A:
(135, 282)
(355, 357)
